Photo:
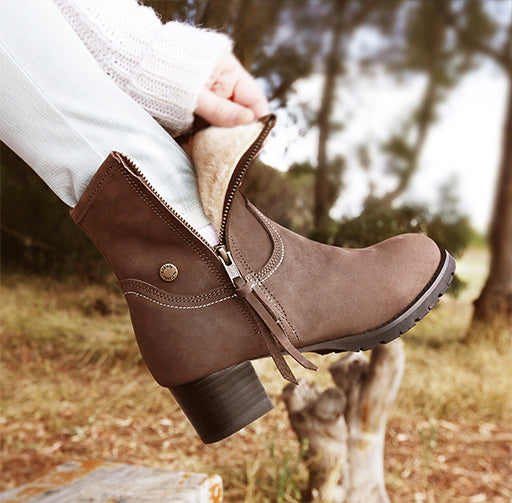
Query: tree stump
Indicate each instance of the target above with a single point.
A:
(343, 428)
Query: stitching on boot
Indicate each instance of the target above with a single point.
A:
(238, 253)
(163, 295)
(278, 250)
(280, 308)
(271, 267)
(282, 253)
(99, 187)
(257, 212)
(277, 253)
(173, 227)
(156, 292)
(250, 318)
(263, 287)
(170, 306)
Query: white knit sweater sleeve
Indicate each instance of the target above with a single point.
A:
(163, 67)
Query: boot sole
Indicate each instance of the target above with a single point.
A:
(226, 401)
(400, 323)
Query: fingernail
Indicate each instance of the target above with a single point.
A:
(245, 117)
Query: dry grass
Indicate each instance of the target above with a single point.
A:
(73, 386)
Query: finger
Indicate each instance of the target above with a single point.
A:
(224, 86)
(249, 94)
(221, 112)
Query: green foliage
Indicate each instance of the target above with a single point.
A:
(284, 475)
(37, 232)
(401, 152)
(446, 225)
(473, 16)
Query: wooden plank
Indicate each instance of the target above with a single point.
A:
(104, 482)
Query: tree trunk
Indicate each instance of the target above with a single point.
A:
(344, 427)
(332, 70)
(494, 305)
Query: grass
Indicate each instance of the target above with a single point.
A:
(74, 386)
(445, 375)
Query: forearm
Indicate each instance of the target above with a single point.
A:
(61, 113)
(163, 67)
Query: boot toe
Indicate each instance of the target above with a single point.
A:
(408, 266)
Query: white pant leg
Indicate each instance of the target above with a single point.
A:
(62, 114)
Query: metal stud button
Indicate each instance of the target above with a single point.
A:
(168, 272)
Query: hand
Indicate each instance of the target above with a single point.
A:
(232, 96)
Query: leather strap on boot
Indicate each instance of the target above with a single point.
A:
(276, 326)
(279, 339)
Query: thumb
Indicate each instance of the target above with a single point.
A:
(222, 112)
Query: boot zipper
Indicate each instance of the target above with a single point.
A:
(241, 169)
(223, 254)
(220, 251)
(124, 159)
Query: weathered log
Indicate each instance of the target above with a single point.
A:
(101, 481)
(344, 427)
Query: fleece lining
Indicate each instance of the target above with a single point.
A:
(215, 152)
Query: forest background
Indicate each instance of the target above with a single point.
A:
(311, 57)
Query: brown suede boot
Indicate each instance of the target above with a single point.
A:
(201, 314)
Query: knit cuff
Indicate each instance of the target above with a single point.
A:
(172, 72)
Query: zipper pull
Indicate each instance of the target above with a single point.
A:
(229, 264)
(242, 287)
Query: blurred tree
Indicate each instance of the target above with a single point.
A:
(37, 233)
(414, 40)
(421, 48)
(284, 41)
(482, 32)
(338, 20)
(333, 66)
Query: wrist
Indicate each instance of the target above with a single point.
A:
(177, 65)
